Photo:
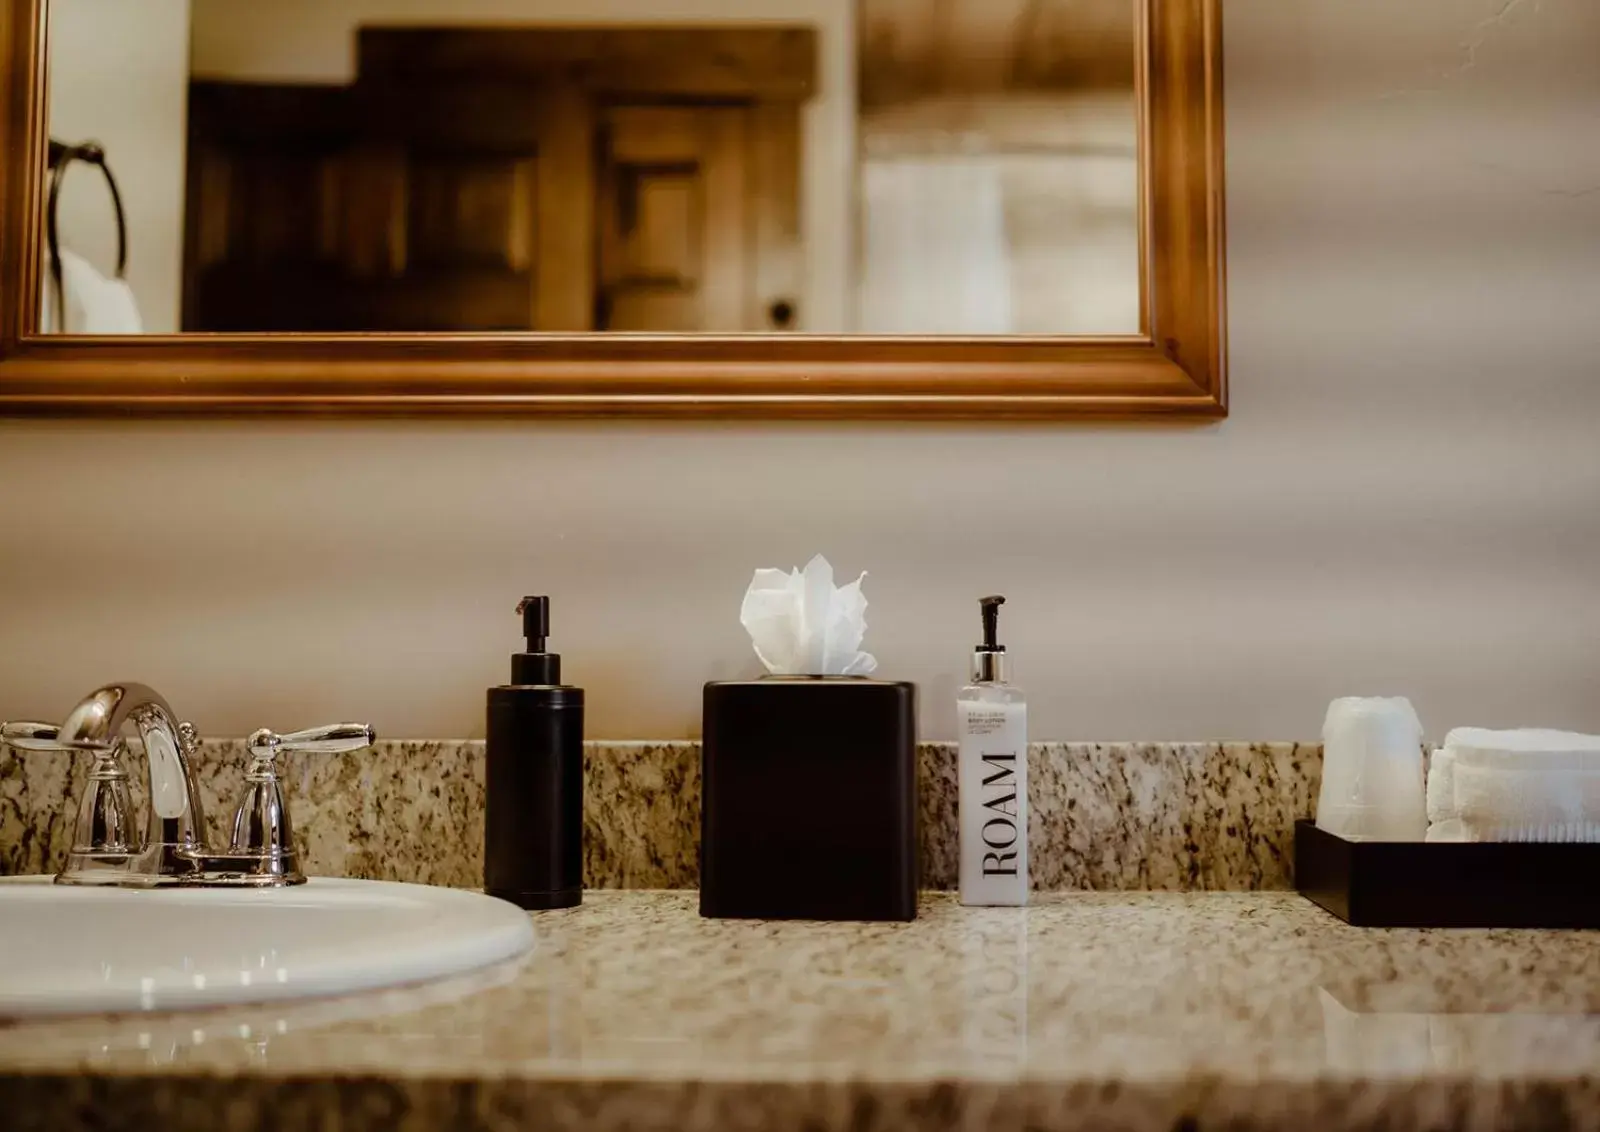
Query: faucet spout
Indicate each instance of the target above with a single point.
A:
(177, 820)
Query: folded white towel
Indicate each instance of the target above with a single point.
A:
(1442, 786)
(1524, 785)
(1450, 829)
(1564, 833)
(1527, 748)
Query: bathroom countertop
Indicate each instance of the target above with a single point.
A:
(1093, 1010)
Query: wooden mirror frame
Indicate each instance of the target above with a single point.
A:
(1176, 368)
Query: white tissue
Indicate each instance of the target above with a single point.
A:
(802, 624)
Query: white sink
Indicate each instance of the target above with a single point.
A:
(66, 950)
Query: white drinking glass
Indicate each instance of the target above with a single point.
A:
(1373, 782)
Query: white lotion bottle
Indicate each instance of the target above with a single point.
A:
(992, 775)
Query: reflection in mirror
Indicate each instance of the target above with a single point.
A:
(998, 167)
(825, 166)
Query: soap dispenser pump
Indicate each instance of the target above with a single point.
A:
(992, 774)
(533, 810)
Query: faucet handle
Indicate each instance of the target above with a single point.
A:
(105, 812)
(27, 735)
(332, 739)
(261, 825)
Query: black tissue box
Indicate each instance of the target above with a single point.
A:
(809, 799)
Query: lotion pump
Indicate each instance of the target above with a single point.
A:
(992, 787)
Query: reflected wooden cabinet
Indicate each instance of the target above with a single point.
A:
(505, 180)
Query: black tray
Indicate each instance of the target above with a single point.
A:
(1414, 884)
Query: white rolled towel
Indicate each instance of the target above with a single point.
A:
(1442, 786)
(1527, 784)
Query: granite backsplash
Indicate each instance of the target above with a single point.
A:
(1108, 816)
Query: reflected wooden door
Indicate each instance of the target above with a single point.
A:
(478, 179)
(488, 188)
(455, 206)
(698, 219)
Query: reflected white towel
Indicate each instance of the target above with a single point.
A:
(95, 304)
(1521, 785)
(935, 258)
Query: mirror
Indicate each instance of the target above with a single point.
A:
(815, 167)
(819, 209)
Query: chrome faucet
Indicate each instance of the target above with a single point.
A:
(174, 849)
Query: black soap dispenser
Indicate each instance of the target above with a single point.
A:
(533, 814)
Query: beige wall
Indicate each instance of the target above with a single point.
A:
(119, 75)
(1406, 498)
(314, 41)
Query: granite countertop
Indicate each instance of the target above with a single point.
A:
(1129, 1010)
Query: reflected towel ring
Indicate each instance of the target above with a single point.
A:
(63, 155)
